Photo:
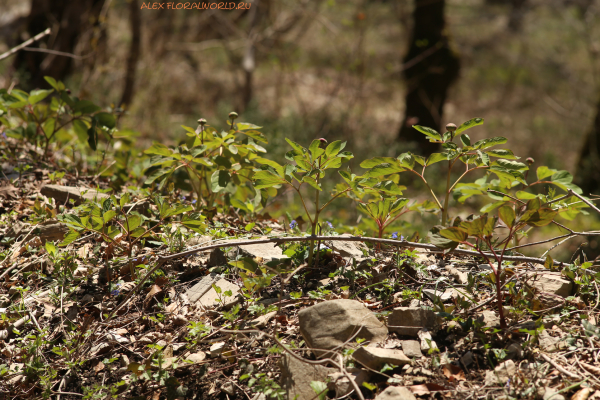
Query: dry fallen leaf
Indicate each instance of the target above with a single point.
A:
(99, 367)
(453, 372)
(582, 394)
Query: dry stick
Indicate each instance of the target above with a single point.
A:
(391, 242)
(25, 44)
(559, 368)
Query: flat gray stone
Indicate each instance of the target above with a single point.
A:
(199, 289)
(410, 320)
(445, 296)
(459, 276)
(376, 358)
(550, 282)
(501, 374)
(206, 296)
(411, 348)
(330, 324)
(490, 319)
(348, 249)
(296, 377)
(396, 393)
(262, 252)
(62, 194)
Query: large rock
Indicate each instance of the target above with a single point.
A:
(376, 358)
(410, 320)
(396, 393)
(297, 375)
(330, 324)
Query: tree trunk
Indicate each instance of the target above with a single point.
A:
(588, 174)
(68, 20)
(588, 167)
(134, 52)
(430, 67)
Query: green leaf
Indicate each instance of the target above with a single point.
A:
(219, 180)
(110, 214)
(511, 165)
(312, 182)
(502, 153)
(105, 119)
(242, 126)
(266, 179)
(246, 264)
(465, 139)
(563, 177)
(431, 133)
(296, 146)
(372, 162)
(468, 124)
(58, 86)
(437, 157)
(69, 238)
(320, 388)
(315, 150)
(490, 207)
(334, 148)
(160, 149)
(549, 263)
(93, 136)
(544, 172)
(50, 248)
(485, 143)
(38, 95)
(507, 215)
(384, 169)
(278, 167)
(521, 195)
(440, 241)
(158, 174)
(455, 234)
(256, 135)
(85, 107)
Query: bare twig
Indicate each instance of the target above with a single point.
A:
(25, 44)
(586, 201)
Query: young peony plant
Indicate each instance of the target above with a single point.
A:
(309, 168)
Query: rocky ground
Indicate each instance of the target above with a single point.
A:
(362, 323)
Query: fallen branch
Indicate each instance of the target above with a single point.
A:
(25, 44)
(390, 242)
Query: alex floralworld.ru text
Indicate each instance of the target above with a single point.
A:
(196, 6)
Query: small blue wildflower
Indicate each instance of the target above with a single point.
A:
(115, 292)
(194, 201)
(4, 135)
(293, 224)
(182, 198)
(395, 235)
(330, 225)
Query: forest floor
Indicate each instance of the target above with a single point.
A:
(246, 322)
